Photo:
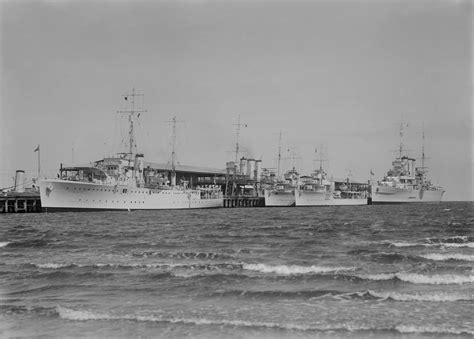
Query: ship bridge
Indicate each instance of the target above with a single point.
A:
(194, 175)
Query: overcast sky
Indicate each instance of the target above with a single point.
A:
(338, 73)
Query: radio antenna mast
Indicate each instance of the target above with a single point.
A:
(238, 124)
(132, 145)
(173, 150)
(279, 155)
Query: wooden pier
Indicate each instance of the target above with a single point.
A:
(231, 202)
(14, 202)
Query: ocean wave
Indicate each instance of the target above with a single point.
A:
(294, 269)
(182, 255)
(29, 243)
(53, 265)
(416, 278)
(4, 243)
(305, 294)
(407, 244)
(429, 297)
(447, 256)
(84, 315)
(454, 239)
(427, 244)
(466, 244)
(432, 329)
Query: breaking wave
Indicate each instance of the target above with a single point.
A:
(429, 297)
(182, 255)
(294, 269)
(416, 278)
(84, 315)
(448, 256)
(431, 243)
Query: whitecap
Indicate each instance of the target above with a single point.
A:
(293, 269)
(416, 278)
(437, 279)
(51, 265)
(84, 315)
(408, 244)
(448, 256)
(430, 297)
(4, 243)
(466, 244)
(431, 329)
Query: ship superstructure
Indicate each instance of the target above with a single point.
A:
(280, 191)
(405, 183)
(123, 183)
(318, 190)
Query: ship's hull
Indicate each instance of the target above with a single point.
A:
(62, 195)
(310, 198)
(393, 195)
(279, 198)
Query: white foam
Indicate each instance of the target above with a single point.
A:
(448, 256)
(431, 244)
(409, 244)
(431, 329)
(379, 276)
(437, 279)
(51, 265)
(83, 315)
(430, 297)
(293, 269)
(466, 244)
(415, 278)
(4, 243)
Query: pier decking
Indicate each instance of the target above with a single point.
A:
(15, 202)
(231, 202)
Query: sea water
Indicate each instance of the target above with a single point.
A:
(350, 271)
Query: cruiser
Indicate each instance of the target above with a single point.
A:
(123, 183)
(405, 183)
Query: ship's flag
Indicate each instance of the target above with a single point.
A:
(37, 149)
(126, 98)
(315, 150)
(371, 172)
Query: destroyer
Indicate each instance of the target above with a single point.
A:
(123, 183)
(404, 183)
(282, 192)
(318, 190)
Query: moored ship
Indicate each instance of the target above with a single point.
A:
(405, 183)
(123, 183)
(282, 192)
(317, 190)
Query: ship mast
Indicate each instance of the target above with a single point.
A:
(423, 157)
(173, 151)
(279, 155)
(132, 145)
(400, 150)
(321, 159)
(238, 124)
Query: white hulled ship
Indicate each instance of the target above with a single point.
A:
(282, 192)
(404, 183)
(123, 183)
(317, 190)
